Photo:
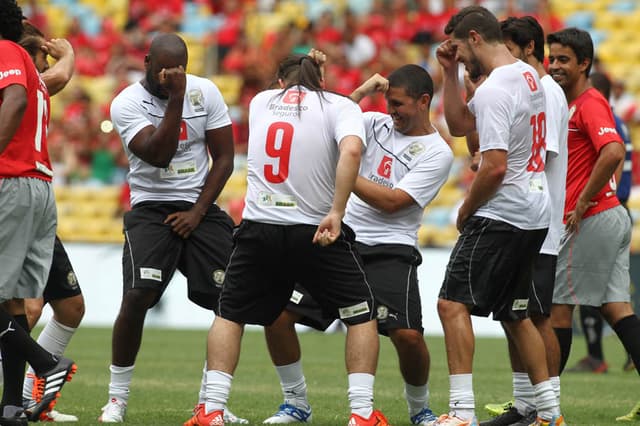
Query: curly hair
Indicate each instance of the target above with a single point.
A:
(10, 20)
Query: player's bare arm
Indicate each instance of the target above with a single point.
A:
(491, 172)
(611, 155)
(375, 83)
(389, 200)
(459, 119)
(220, 144)
(157, 146)
(346, 173)
(12, 108)
(57, 77)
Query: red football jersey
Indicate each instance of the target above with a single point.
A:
(591, 127)
(26, 155)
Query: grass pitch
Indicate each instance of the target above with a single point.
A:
(169, 367)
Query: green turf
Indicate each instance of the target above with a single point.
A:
(167, 378)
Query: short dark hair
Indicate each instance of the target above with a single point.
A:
(523, 31)
(31, 39)
(578, 40)
(475, 18)
(415, 80)
(10, 20)
(601, 83)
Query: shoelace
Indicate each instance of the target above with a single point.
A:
(38, 388)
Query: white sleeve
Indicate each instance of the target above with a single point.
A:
(128, 118)
(554, 113)
(349, 120)
(217, 110)
(493, 108)
(424, 180)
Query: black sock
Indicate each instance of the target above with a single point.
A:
(592, 325)
(628, 330)
(16, 340)
(564, 339)
(13, 366)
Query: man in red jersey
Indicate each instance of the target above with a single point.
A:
(28, 218)
(593, 262)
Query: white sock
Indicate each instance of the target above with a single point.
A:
(361, 394)
(417, 398)
(54, 338)
(202, 395)
(523, 394)
(555, 383)
(461, 399)
(120, 381)
(546, 402)
(294, 387)
(218, 385)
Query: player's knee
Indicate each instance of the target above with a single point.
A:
(69, 311)
(138, 300)
(448, 309)
(407, 338)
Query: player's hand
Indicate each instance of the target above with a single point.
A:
(471, 84)
(464, 213)
(328, 230)
(318, 56)
(58, 48)
(184, 223)
(446, 56)
(375, 83)
(574, 217)
(173, 80)
(475, 161)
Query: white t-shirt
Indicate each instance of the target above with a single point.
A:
(293, 153)
(418, 165)
(556, 165)
(204, 109)
(509, 108)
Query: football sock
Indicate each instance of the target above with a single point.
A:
(555, 383)
(628, 330)
(523, 394)
(546, 402)
(13, 365)
(417, 398)
(361, 394)
(564, 340)
(218, 388)
(461, 398)
(592, 325)
(120, 381)
(54, 338)
(202, 395)
(294, 387)
(14, 335)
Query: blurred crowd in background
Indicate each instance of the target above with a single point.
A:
(237, 43)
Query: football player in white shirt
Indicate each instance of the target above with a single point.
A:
(303, 157)
(405, 165)
(504, 217)
(525, 40)
(170, 123)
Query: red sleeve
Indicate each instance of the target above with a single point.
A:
(12, 66)
(596, 120)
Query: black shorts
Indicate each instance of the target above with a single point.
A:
(392, 273)
(491, 268)
(544, 278)
(153, 252)
(268, 260)
(303, 304)
(62, 282)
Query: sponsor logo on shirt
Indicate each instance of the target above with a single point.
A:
(531, 81)
(353, 311)
(196, 99)
(604, 130)
(293, 97)
(520, 305)
(384, 169)
(10, 72)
